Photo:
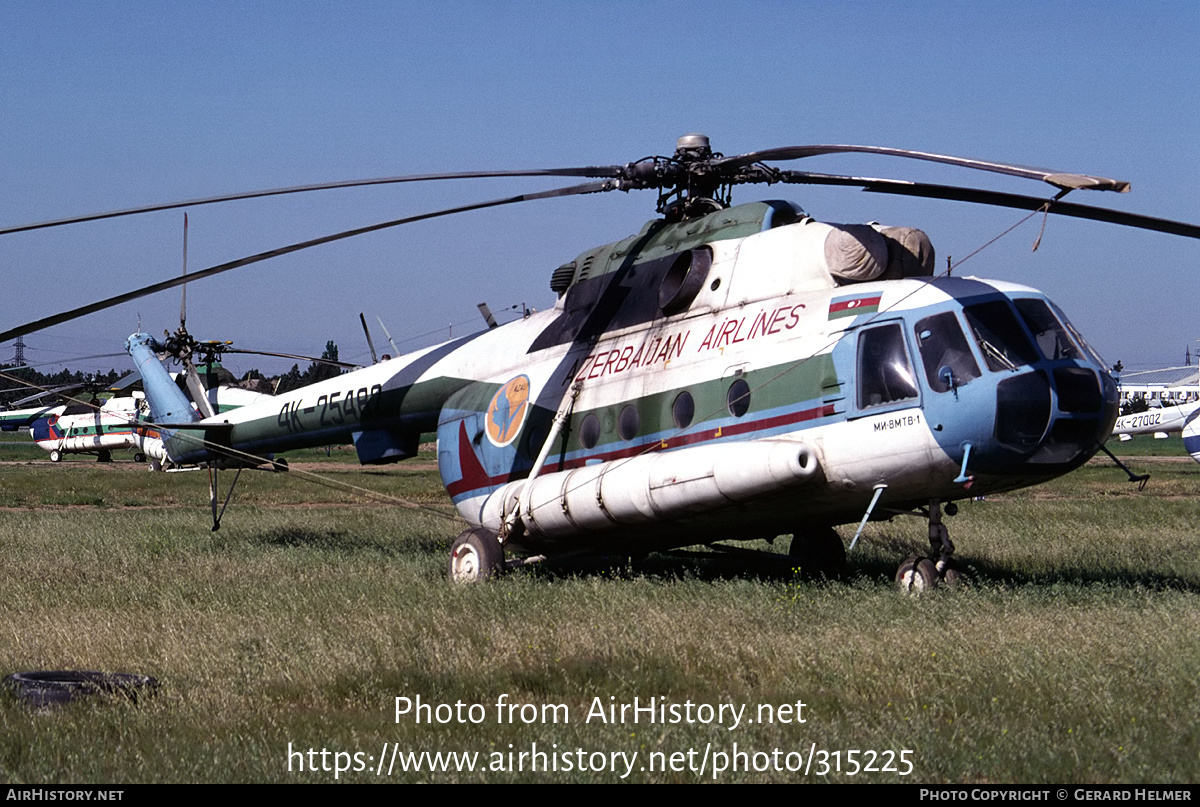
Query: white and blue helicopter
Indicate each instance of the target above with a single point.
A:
(726, 373)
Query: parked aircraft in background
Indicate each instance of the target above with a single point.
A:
(120, 423)
(95, 427)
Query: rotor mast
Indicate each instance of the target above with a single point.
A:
(697, 189)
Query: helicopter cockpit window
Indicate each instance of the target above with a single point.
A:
(885, 374)
(1000, 336)
(1051, 337)
(1079, 340)
(945, 353)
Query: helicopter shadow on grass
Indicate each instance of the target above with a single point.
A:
(766, 566)
(991, 575)
(877, 566)
(874, 567)
(983, 573)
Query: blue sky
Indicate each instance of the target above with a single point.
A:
(116, 104)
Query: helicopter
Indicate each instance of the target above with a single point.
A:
(119, 423)
(99, 427)
(83, 426)
(726, 373)
(92, 427)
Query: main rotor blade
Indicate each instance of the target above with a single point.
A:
(69, 360)
(594, 171)
(997, 198)
(124, 382)
(183, 292)
(296, 356)
(60, 391)
(1055, 178)
(153, 288)
(64, 391)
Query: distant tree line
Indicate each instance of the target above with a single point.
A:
(294, 379)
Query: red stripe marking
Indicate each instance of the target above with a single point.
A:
(476, 479)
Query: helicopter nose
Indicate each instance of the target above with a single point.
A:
(1052, 420)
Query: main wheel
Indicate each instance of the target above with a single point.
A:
(475, 555)
(916, 575)
(56, 456)
(139, 457)
(820, 552)
(104, 456)
(952, 575)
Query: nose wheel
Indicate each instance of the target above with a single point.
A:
(917, 574)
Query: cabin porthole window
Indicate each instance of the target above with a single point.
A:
(737, 400)
(589, 430)
(683, 410)
(628, 422)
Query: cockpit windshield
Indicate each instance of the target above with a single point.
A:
(1079, 340)
(1051, 337)
(945, 353)
(1000, 336)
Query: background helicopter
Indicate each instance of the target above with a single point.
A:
(726, 373)
(84, 423)
(118, 423)
(15, 416)
(99, 428)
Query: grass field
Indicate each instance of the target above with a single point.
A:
(1072, 656)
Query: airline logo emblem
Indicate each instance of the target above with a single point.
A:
(506, 413)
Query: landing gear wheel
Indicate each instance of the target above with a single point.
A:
(820, 552)
(104, 456)
(953, 576)
(139, 457)
(916, 575)
(56, 456)
(279, 466)
(475, 555)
